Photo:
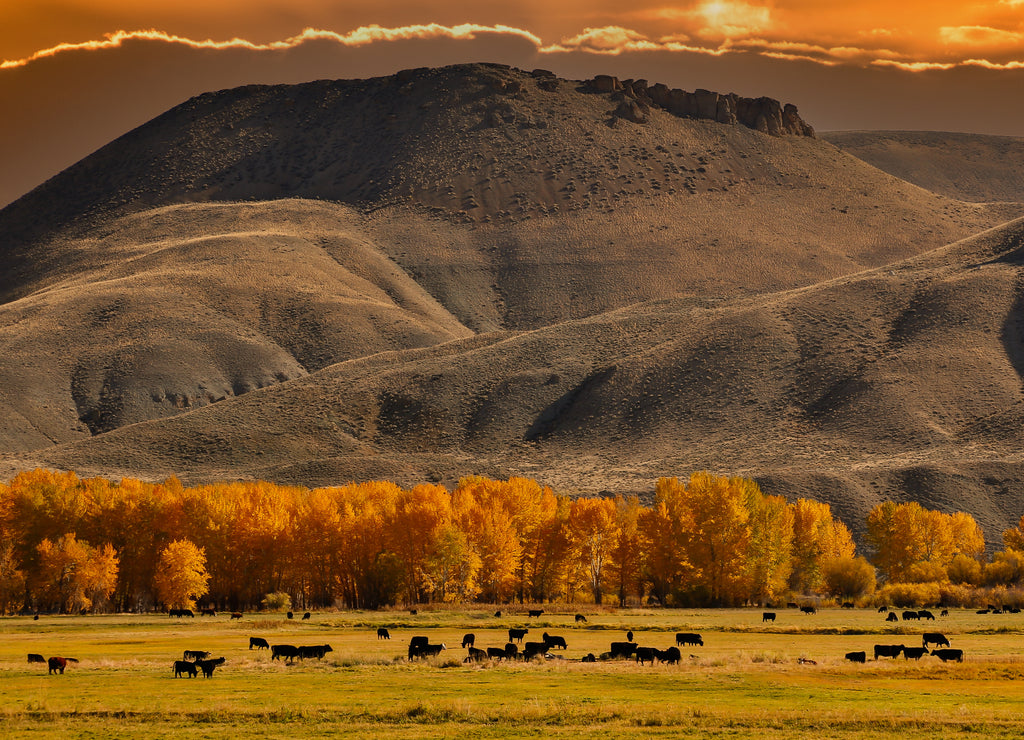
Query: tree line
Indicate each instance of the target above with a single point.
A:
(69, 544)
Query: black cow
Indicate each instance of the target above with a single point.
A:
(517, 635)
(493, 652)
(497, 613)
(185, 666)
(848, 605)
(413, 612)
(234, 615)
(289, 652)
(946, 654)
(623, 649)
(207, 666)
(259, 643)
(914, 652)
(689, 638)
(290, 615)
(535, 612)
(888, 651)
(925, 614)
(944, 613)
(671, 655)
(891, 617)
(768, 617)
(426, 651)
(808, 610)
(646, 655)
(314, 651)
(532, 649)
(910, 615)
(511, 651)
(554, 641)
(307, 615)
(934, 638)
(858, 657)
(383, 634)
(36, 658)
(588, 658)
(476, 655)
(883, 609)
(982, 611)
(195, 655)
(580, 618)
(468, 639)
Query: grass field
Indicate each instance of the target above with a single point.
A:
(745, 681)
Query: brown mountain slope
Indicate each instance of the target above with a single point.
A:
(142, 282)
(899, 382)
(970, 167)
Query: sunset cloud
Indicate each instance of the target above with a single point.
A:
(980, 36)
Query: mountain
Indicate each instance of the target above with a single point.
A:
(477, 269)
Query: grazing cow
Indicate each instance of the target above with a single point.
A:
(808, 610)
(646, 655)
(689, 638)
(982, 611)
(580, 618)
(946, 654)
(532, 649)
(236, 615)
(427, 651)
(207, 666)
(195, 655)
(416, 643)
(511, 651)
(306, 615)
(259, 643)
(314, 651)
(207, 613)
(671, 655)
(468, 639)
(888, 651)
(925, 614)
(944, 613)
(383, 634)
(59, 664)
(934, 638)
(891, 617)
(175, 612)
(623, 649)
(588, 658)
(848, 605)
(858, 657)
(629, 636)
(768, 617)
(914, 652)
(535, 612)
(497, 613)
(289, 652)
(476, 655)
(493, 652)
(184, 666)
(910, 615)
(554, 641)
(883, 609)
(517, 635)
(290, 615)
(36, 658)
(413, 612)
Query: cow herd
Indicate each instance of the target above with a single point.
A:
(944, 653)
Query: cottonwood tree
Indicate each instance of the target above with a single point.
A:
(72, 575)
(592, 532)
(181, 575)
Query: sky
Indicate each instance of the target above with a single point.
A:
(75, 74)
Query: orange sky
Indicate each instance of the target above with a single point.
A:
(915, 35)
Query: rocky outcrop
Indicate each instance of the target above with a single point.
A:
(767, 115)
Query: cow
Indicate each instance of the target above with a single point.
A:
(946, 654)
(623, 649)
(517, 635)
(580, 618)
(925, 614)
(207, 612)
(259, 643)
(888, 651)
(236, 615)
(497, 613)
(944, 613)
(891, 617)
(36, 658)
(314, 651)
(646, 655)
(588, 658)
(910, 615)
(493, 652)
(305, 616)
(914, 652)
(982, 611)
(195, 655)
(427, 651)
(857, 657)
(416, 643)
(511, 651)
(414, 612)
(554, 641)
(207, 666)
(848, 605)
(883, 609)
(768, 617)
(186, 613)
(671, 655)
(468, 640)
(289, 652)
(476, 655)
(808, 610)
(383, 634)
(290, 615)
(934, 638)
(535, 612)
(58, 664)
(185, 666)
(532, 649)
(689, 638)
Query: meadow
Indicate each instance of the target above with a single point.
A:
(746, 681)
